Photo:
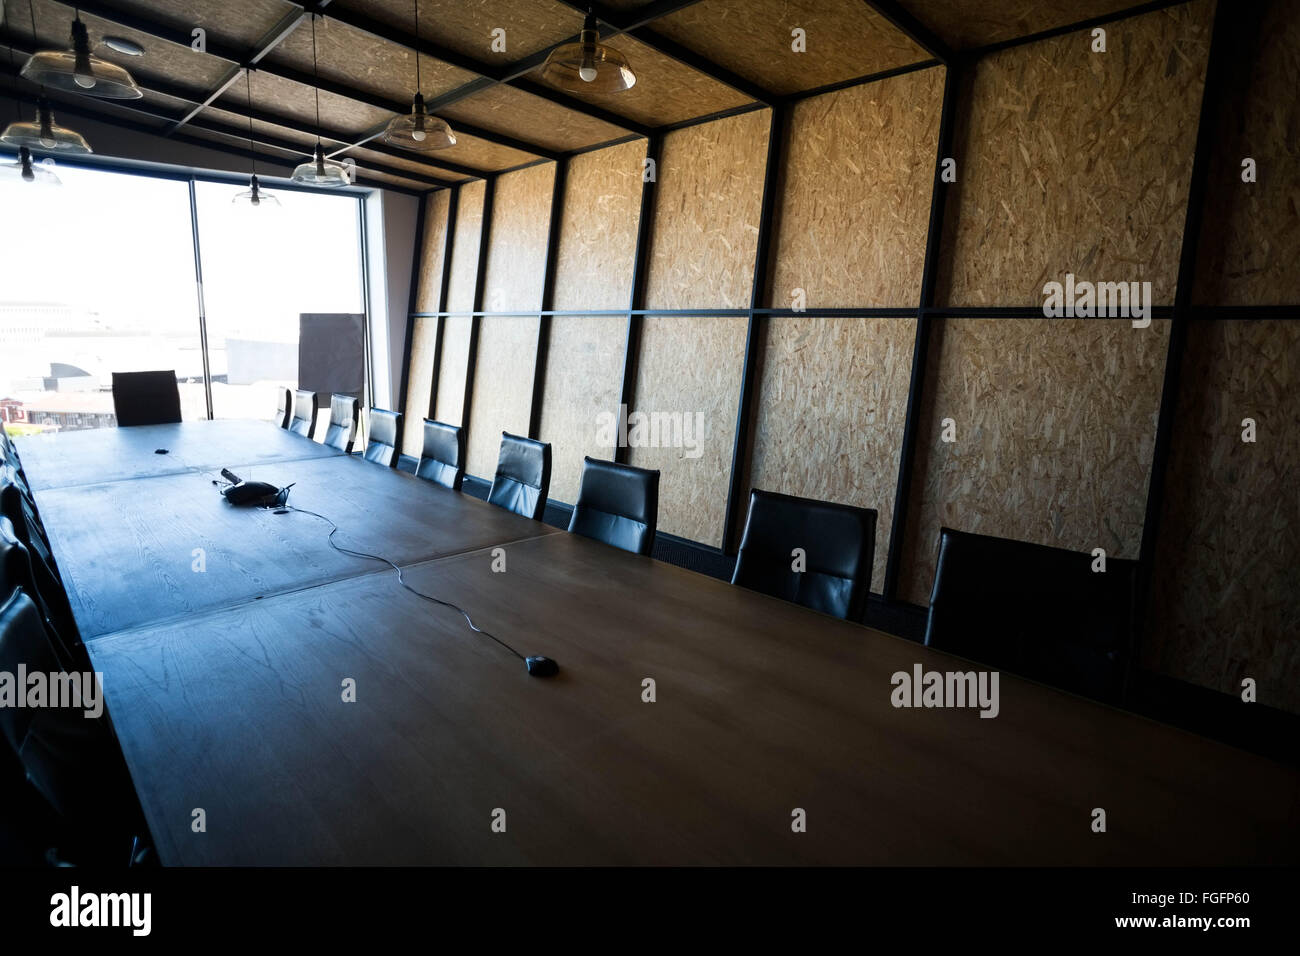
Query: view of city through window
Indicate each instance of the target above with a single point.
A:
(97, 276)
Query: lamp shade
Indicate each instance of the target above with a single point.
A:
(323, 172)
(418, 130)
(256, 196)
(78, 71)
(28, 171)
(588, 65)
(44, 133)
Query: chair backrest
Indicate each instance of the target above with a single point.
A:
(19, 570)
(523, 477)
(617, 504)
(1035, 610)
(385, 426)
(284, 407)
(304, 413)
(442, 459)
(838, 545)
(342, 431)
(146, 398)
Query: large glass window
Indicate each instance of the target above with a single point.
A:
(98, 276)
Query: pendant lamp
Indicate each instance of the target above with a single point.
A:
(588, 66)
(418, 130)
(319, 171)
(44, 133)
(79, 71)
(253, 195)
(28, 171)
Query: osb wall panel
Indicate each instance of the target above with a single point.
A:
(433, 248)
(1227, 591)
(707, 201)
(692, 366)
(598, 227)
(1072, 161)
(503, 387)
(968, 23)
(584, 375)
(1250, 241)
(828, 422)
(465, 246)
(521, 222)
(1055, 427)
(424, 346)
(845, 39)
(854, 202)
(450, 405)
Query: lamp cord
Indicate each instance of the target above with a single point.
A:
(248, 85)
(401, 580)
(315, 75)
(417, 46)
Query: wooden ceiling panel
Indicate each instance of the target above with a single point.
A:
(504, 109)
(970, 23)
(271, 153)
(371, 177)
(171, 63)
(466, 25)
(666, 90)
(239, 124)
(240, 23)
(483, 154)
(130, 111)
(753, 38)
(353, 57)
(276, 97)
(367, 158)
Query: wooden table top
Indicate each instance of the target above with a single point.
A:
(129, 551)
(762, 708)
(65, 459)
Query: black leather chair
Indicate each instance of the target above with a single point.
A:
(442, 459)
(284, 407)
(1038, 611)
(304, 414)
(523, 477)
(19, 569)
(385, 427)
(73, 761)
(838, 542)
(617, 504)
(18, 505)
(342, 431)
(146, 398)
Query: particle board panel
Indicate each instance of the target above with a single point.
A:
(289, 102)
(450, 404)
(600, 215)
(283, 156)
(238, 126)
(419, 389)
(483, 154)
(241, 24)
(969, 23)
(348, 55)
(368, 158)
(689, 369)
(1227, 587)
(829, 413)
(466, 25)
(707, 202)
(754, 38)
(584, 376)
(853, 207)
(503, 388)
(366, 176)
(513, 112)
(666, 90)
(1250, 240)
(1055, 424)
(432, 251)
(521, 221)
(465, 246)
(1073, 161)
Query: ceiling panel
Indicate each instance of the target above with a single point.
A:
(970, 23)
(293, 102)
(753, 38)
(131, 111)
(359, 59)
(466, 25)
(504, 109)
(666, 91)
(483, 154)
(370, 176)
(239, 23)
(366, 158)
(270, 153)
(239, 124)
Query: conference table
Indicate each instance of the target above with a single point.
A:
(320, 713)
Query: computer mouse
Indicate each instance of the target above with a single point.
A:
(541, 666)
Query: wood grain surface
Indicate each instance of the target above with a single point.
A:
(761, 708)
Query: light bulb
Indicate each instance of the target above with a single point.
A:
(587, 71)
(419, 135)
(85, 80)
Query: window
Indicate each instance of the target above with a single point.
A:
(98, 276)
